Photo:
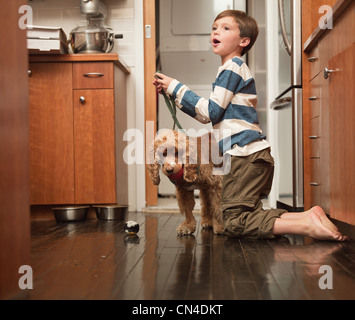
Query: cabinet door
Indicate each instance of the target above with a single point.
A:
(342, 133)
(318, 140)
(51, 133)
(94, 146)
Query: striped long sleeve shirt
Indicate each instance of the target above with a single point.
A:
(230, 108)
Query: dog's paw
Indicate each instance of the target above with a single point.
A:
(186, 229)
(206, 223)
(218, 229)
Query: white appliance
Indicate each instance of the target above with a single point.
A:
(288, 105)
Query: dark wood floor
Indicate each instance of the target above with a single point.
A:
(94, 260)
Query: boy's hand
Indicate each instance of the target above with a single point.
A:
(162, 82)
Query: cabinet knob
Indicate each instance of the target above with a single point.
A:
(82, 99)
(328, 72)
(29, 72)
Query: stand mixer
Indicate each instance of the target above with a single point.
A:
(94, 37)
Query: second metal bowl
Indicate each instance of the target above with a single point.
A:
(111, 212)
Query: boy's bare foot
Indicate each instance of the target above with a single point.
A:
(317, 226)
(324, 219)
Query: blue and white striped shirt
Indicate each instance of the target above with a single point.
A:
(230, 108)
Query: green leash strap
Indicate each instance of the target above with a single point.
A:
(170, 103)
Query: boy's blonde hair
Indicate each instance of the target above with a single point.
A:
(247, 25)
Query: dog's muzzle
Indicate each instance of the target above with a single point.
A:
(170, 167)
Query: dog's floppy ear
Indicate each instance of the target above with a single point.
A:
(153, 166)
(153, 170)
(190, 172)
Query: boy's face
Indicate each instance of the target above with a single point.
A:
(226, 40)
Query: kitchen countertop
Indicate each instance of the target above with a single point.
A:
(80, 57)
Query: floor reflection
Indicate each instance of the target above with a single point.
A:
(96, 260)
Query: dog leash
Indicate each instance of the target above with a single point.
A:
(170, 103)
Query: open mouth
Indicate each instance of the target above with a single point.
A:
(215, 41)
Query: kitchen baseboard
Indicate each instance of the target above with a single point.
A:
(345, 228)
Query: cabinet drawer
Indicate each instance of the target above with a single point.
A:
(93, 75)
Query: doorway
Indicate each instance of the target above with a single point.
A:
(182, 50)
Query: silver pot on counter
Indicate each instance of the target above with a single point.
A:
(93, 38)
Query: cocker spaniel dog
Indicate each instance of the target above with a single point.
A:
(189, 166)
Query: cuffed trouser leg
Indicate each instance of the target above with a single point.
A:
(253, 223)
(249, 181)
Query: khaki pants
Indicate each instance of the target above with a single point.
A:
(248, 182)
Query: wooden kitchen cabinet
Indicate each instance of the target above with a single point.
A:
(74, 132)
(342, 119)
(51, 133)
(329, 114)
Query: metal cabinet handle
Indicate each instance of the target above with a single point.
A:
(328, 72)
(281, 103)
(82, 99)
(93, 75)
(312, 98)
(314, 184)
(312, 59)
(29, 72)
(313, 137)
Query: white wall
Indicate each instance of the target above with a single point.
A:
(136, 110)
(272, 87)
(66, 14)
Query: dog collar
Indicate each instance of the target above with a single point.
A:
(177, 178)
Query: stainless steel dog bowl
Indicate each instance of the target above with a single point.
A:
(70, 213)
(111, 212)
